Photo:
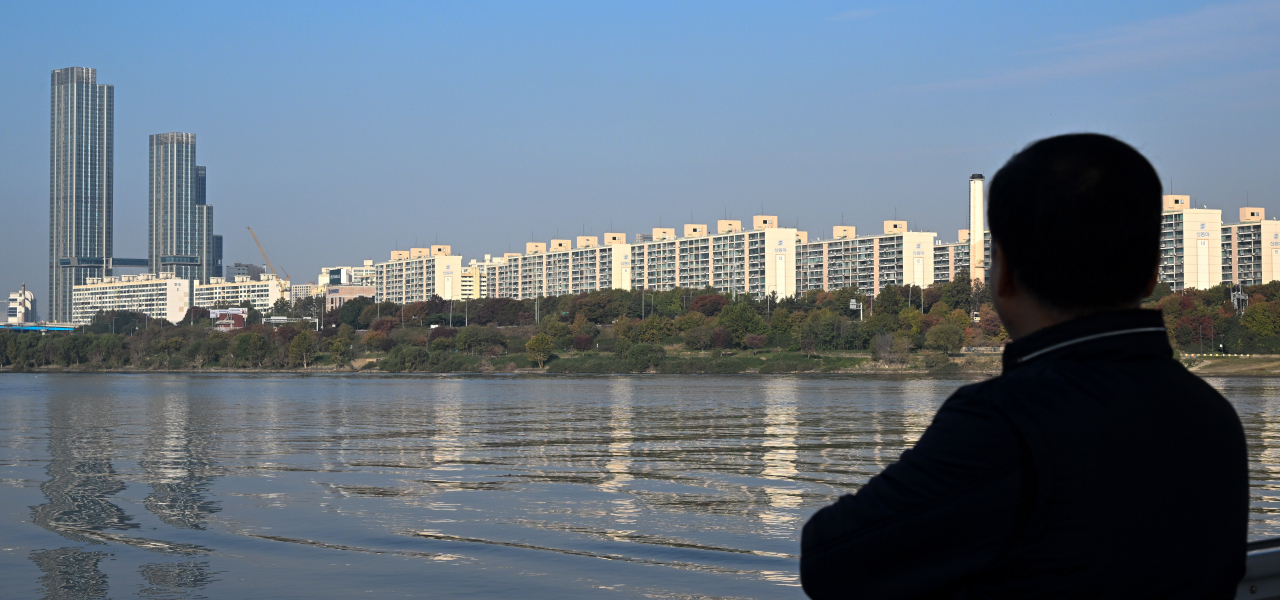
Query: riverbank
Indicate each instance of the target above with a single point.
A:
(692, 363)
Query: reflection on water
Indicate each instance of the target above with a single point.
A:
(543, 487)
(178, 462)
(71, 574)
(81, 477)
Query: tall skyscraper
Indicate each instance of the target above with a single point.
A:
(81, 130)
(180, 236)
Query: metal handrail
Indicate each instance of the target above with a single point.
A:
(1262, 571)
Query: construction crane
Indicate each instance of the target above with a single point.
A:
(281, 282)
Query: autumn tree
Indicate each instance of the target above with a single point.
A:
(539, 348)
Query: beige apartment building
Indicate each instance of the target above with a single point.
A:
(558, 268)
(157, 295)
(898, 256)
(951, 258)
(417, 274)
(1190, 245)
(1251, 248)
(758, 261)
(221, 293)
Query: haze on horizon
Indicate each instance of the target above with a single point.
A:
(341, 132)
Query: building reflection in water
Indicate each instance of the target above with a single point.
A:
(781, 430)
(81, 479)
(71, 574)
(623, 509)
(178, 463)
(81, 475)
(167, 580)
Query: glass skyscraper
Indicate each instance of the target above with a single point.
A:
(180, 237)
(81, 120)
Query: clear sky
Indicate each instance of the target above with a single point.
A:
(341, 131)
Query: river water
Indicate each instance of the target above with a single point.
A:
(283, 486)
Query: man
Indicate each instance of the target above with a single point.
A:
(1095, 465)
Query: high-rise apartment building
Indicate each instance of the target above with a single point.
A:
(180, 237)
(951, 259)
(869, 263)
(1190, 245)
(417, 274)
(1251, 248)
(81, 131)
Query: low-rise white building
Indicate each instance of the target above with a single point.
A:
(220, 293)
(358, 276)
(157, 295)
(22, 306)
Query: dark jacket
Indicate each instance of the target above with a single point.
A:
(1095, 466)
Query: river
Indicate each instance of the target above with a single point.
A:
(306, 486)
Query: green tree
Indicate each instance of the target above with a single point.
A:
(281, 308)
(303, 347)
(944, 336)
(251, 348)
(741, 320)
(539, 348)
(1262, 319)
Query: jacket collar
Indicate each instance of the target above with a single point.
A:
(1127, 332)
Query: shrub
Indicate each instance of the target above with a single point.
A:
(698, 338)
(640, 357)
(583, 342)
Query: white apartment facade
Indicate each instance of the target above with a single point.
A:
(157, 295)
(221, 293)
(416, 274)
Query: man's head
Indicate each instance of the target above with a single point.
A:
(1076, 222)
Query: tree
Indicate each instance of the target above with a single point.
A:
(740, 319)
(945, 336)
(1262, 319)
(754, 341)
(281, 308)
(709, 304)
(302, 348)
(194, 315)
(539, 348)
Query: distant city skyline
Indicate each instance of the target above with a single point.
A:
(345, 132)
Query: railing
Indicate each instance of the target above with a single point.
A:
(1262, 571)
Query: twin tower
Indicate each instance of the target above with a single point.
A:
(180, 237)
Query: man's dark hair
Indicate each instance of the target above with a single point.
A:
(1077, 218)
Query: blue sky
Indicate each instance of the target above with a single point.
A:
(341, 131)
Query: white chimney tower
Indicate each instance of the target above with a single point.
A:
(977, 230)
